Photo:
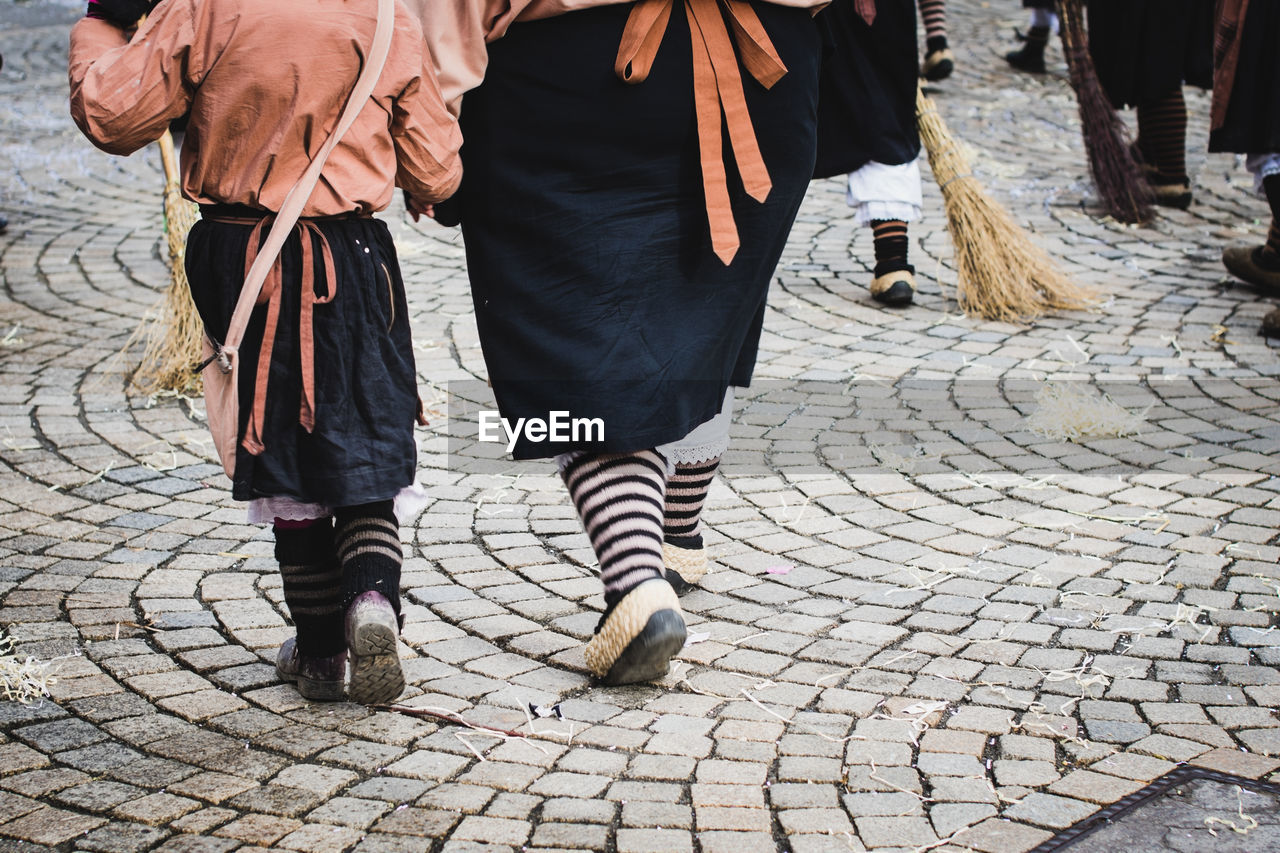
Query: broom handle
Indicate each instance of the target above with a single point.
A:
(168, 158)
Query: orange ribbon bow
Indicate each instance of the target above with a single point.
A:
(717, 90)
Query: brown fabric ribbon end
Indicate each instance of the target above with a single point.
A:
(717, 94)
(867, 9)
(270, 296)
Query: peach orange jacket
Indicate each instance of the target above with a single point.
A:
(265, 83)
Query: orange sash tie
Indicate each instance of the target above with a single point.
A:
(270, 295)
(717, 90)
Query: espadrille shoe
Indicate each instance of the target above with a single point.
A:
(636, 640)
(318, 679)
(1254, 266)
(938, 65)
(684, 567)
(372, 629)
(894, 289)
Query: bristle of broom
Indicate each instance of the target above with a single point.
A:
(1002, 275)
(1118, 178)
(172, 332)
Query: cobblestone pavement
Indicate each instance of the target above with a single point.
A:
(931, 626)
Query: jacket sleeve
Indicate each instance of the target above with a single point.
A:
(427, 140)
(125, 92)
(426, 135)
(456, 32)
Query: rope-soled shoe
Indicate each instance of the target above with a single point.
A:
(684, 567)
(636, 640)
(938, 65)
(372, 630)
(895, 289)
(318, 679)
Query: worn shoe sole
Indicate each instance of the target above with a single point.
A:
(376, 676)
(641, 635)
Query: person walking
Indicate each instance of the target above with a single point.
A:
(1144, 51)
(328, 392)
(867, 130)
(620, 253)
(1245, 119)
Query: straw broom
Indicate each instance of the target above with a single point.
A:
(1116, 175)
(173, 335)
(1002, 275)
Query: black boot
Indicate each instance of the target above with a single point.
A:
(1031, 57)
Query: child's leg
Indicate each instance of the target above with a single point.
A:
(939, 62)
(619, 497)
(316, 658)
(1271, 186)
(1162, 141)
(368, 545)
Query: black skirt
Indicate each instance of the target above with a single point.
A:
(1144, 49)
(596, 289)
(867, 93)
(1252, 123)
(361, 449)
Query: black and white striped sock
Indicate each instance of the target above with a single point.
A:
(686, 494)
(312, 584)
(619, 499)
(368, 544)
(934, 15)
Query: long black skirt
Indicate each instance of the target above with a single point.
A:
(867, 93)
(1144, 49)
(1252, 124)
(361, 449)
(596, 289)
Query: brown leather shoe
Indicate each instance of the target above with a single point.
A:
(1271, 324)
(372, 630)
(318, 679)
(1250, 265)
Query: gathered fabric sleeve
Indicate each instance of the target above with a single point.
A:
(456, 32)
(125, 92)
(426, 136)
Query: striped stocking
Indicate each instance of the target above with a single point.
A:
(312, 584)
(934, 15)
(1162, 137)
(890, 236)
(619, 499)
(686, 493)
(368, 540)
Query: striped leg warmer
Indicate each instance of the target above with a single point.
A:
(312, 584)
(891, 244)
(686, 493)
(1162, 137)
(368, 543)
(934, 15)
(619, 499)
